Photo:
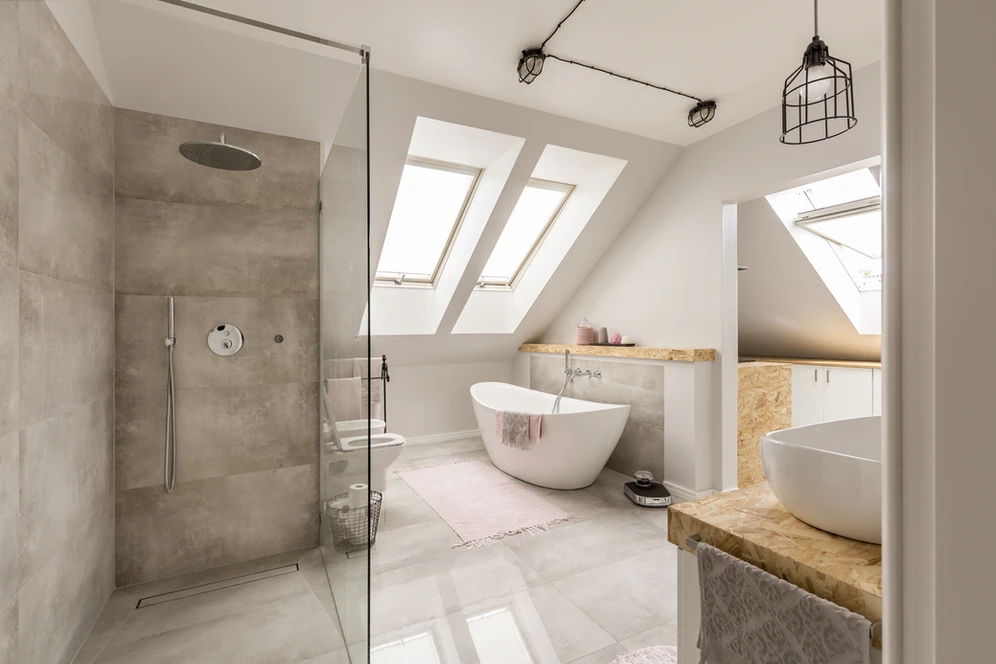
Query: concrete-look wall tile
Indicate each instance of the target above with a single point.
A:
(9, 38)
(141, 328)
(220, 431)
(8, 629)
(65, 474)
(149, 165)
(60, 603)
(9, 491)
(8, 182)
(9, 331)
(218, 521)
(641, 447)
(59, 94)
(65, 228)
(215, 250)
(66, 346)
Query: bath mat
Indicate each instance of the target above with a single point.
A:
(480, 503)
(651, 655)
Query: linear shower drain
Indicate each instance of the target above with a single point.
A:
(190, 591)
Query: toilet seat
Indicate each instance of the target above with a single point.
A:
(377, 441)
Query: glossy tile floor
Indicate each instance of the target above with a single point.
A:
(584, 592)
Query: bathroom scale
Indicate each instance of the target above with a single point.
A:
(645, 492)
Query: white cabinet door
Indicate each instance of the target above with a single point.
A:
(807, 394)
(848, 393)
(876, 391)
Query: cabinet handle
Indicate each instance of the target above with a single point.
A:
(816, 375)
(828, 375)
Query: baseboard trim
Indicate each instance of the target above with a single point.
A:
(442, 437)
(681, 494)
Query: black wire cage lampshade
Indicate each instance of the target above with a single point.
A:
(818, 97)
(531, 65)
(703, 112)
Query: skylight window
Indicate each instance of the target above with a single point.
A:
(528, 225)
(431, 202)
(845, 210)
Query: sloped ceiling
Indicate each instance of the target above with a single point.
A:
(736, 52)
(785, 309)
(173, 61)
(396, 103)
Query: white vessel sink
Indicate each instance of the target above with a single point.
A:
(829, 475)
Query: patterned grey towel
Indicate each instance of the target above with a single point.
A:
(752, 617)
(518, 430)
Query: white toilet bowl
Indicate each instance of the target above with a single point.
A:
(385, 449)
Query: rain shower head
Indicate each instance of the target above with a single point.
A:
(220, 155)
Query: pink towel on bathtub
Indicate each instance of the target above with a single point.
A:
(518, 430)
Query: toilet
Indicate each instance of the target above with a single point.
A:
(350, 428)
(350, 460)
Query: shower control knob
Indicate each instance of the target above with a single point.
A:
(225, 340)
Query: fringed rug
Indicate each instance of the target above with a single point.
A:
(481, 504)
(651, 655)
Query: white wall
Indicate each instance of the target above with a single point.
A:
(785, 309)
(939, 354)
(434, 400)
(662, 280)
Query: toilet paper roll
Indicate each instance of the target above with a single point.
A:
(358, 496)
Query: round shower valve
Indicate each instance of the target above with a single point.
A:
(225, 340)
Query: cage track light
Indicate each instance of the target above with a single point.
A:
(533, 59)
(531, 65)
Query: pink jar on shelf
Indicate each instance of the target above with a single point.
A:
(586, 333)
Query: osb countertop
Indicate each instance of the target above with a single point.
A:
(634, 352)
(753, 526)
(856, 364)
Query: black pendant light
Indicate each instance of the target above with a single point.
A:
(818, 97)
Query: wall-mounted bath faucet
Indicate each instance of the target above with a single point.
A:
(569, 376)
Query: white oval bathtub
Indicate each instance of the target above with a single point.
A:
(575, 444)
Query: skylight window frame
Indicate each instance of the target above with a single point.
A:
(510, 284)
(854, 208)
(401, 280)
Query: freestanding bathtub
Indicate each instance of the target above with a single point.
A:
(575, 444)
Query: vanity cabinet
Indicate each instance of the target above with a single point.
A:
(829, 393)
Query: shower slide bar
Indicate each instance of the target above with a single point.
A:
(169, 453)
(693, 541)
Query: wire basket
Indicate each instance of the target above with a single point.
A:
(351, 527)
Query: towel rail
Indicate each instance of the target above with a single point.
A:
(693, 541)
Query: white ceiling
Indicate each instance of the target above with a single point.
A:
(733, 51)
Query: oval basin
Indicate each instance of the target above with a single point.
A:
(829, 475)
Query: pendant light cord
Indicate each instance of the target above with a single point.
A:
(816, 18)
(569, 14)
(623, 77)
